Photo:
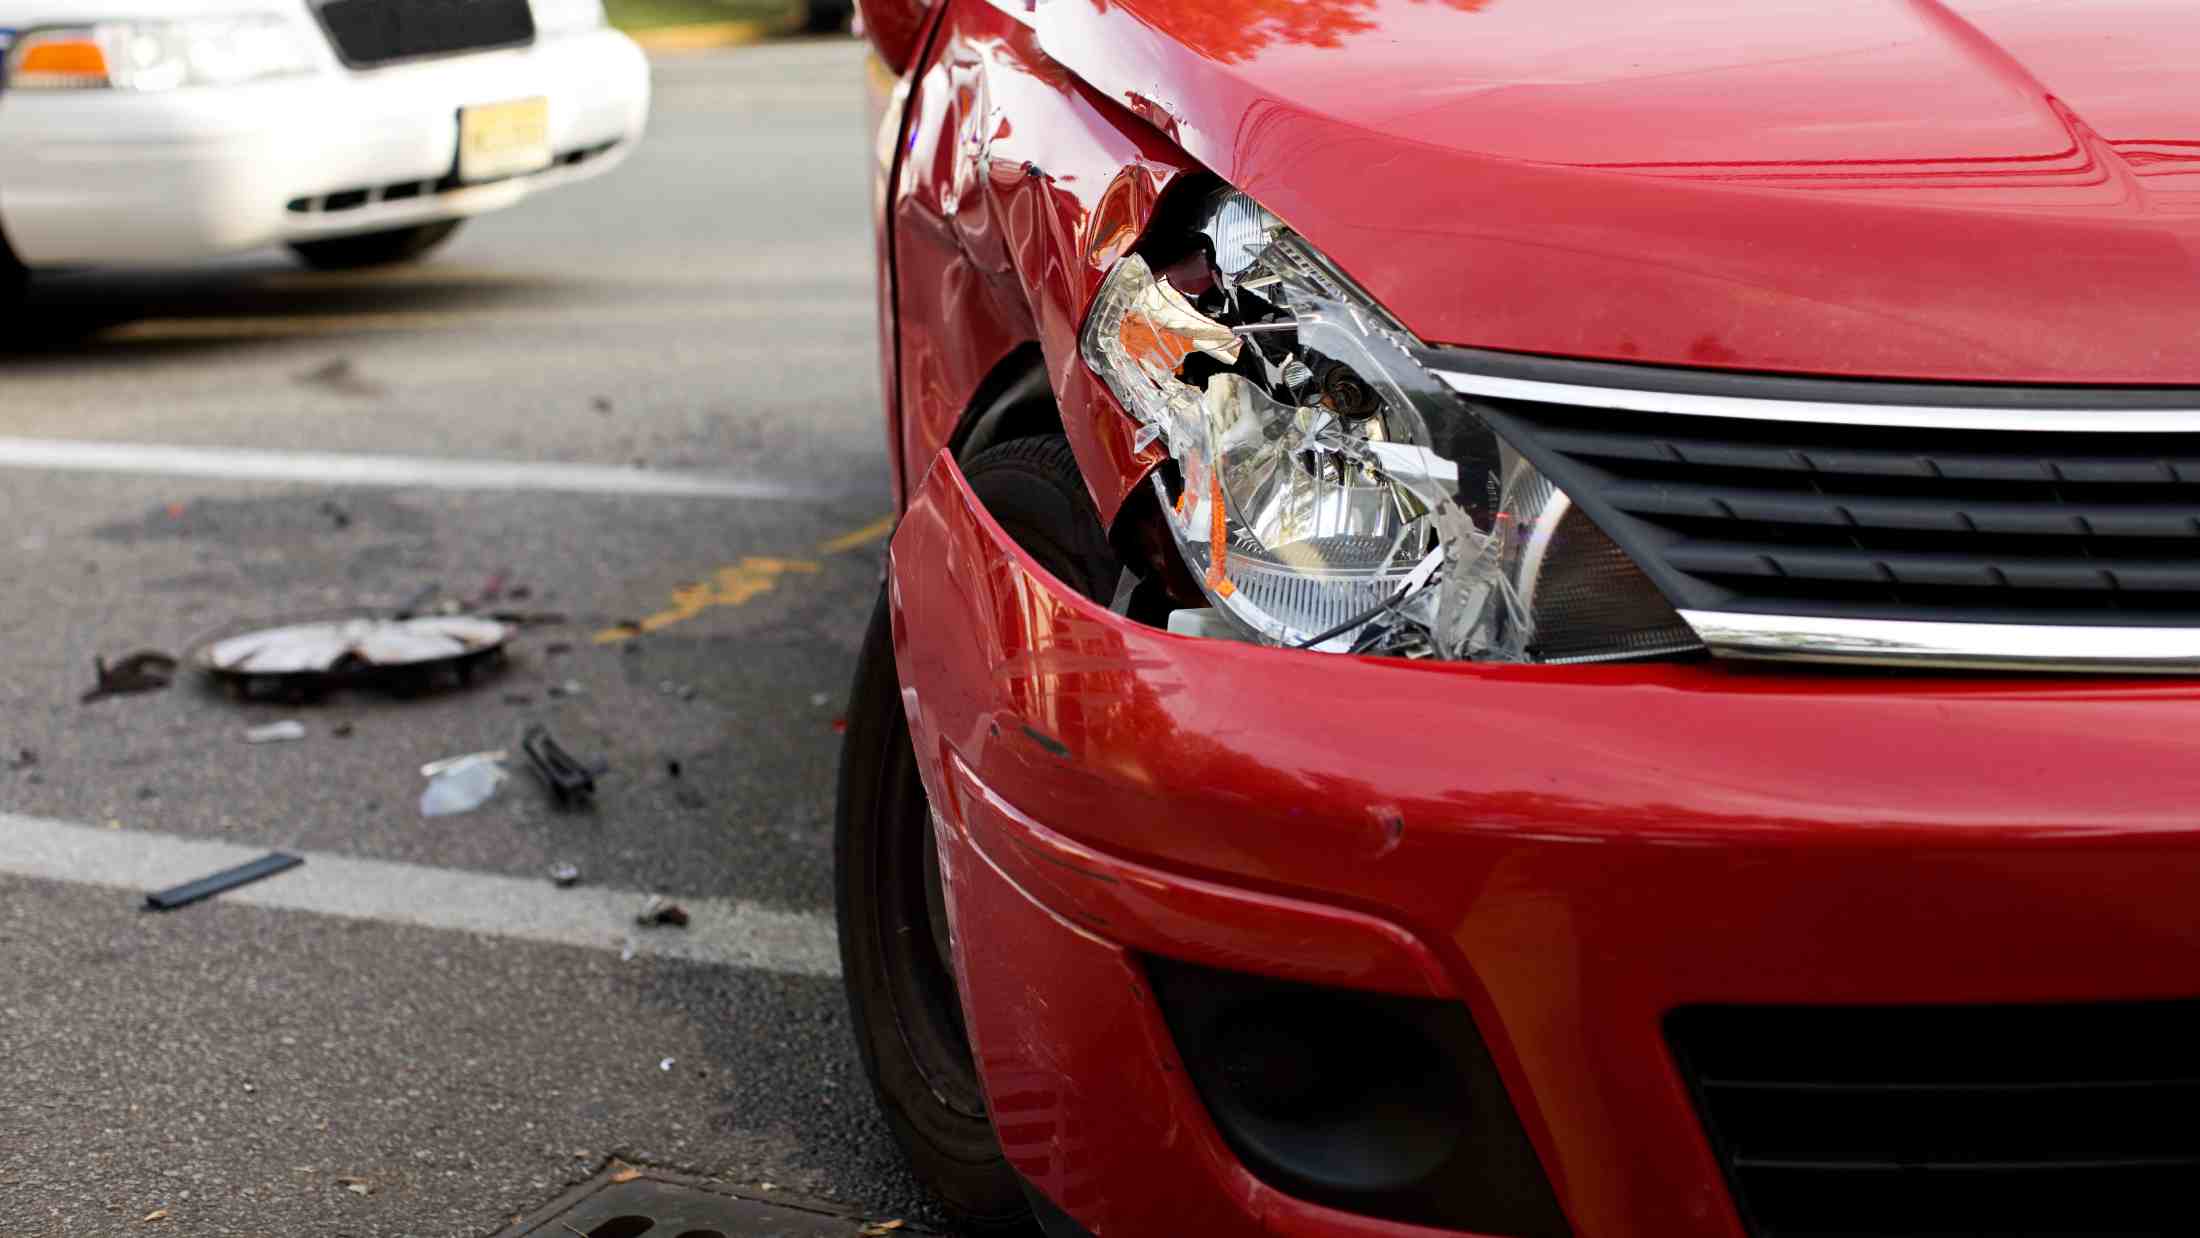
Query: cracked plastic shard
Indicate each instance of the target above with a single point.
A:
(461, 784)
(1183, 423)
(1162, 327)
(1430, 477)
(1159, 329)
(1478, 616)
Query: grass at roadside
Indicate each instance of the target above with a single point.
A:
(651, 14)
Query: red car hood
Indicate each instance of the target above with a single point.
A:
(1988, 190)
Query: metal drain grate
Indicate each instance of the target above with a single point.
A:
(653, 1207)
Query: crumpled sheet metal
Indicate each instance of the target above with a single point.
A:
(341, 645)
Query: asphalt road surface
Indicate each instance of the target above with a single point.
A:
(652, 397)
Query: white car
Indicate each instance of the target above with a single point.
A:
(357, 132)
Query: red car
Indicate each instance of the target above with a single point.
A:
(1535, 617)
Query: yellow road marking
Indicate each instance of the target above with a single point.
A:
(864, 536)
(728, 586)
(752, 577)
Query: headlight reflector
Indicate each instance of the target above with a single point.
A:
(161, 55)
(1333, 493)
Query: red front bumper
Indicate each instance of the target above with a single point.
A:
(1571, 852)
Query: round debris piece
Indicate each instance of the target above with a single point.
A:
(340, 644)
(315, 654)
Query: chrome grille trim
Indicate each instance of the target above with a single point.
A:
(1955, 646)
(1821, 412)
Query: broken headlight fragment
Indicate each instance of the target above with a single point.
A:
(1329, 492)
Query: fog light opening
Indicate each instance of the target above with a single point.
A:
(1351, 1098)
(1382, 1106)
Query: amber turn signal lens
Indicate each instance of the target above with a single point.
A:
(63, 58)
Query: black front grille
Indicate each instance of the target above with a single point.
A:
(1929, 1122)
(1770, 517)
(374, 32)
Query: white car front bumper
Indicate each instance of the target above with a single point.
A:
(96, 177)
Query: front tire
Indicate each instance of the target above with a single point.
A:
(374, 249)
(898, 969)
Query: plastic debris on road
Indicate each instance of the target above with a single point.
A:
(569, 780)
(275, 732)
(336, 644)
(662, 910)
(461, 784)
(565, 875)
(148, 670)
(228, 879)
(414, 653)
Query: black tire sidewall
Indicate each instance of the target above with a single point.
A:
(958, 1158)
(1032, 487)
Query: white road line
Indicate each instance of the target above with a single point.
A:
(726, 932)
(393, 322)
(340, 469)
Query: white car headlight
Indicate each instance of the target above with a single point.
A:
(162, 55)
(567, 16)
(1330, 492)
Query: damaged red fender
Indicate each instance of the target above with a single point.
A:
(1018, 188)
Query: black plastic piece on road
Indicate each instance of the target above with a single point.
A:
(228, 879)
(567, 778)
(148, 670)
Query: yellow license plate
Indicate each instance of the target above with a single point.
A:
(496, 140)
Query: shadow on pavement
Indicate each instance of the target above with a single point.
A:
(244, 302)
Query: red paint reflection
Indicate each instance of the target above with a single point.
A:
(1240, 28)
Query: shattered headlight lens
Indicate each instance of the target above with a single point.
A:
(1330, 492)
(162, 55)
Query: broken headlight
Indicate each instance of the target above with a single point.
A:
(1330, 492)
